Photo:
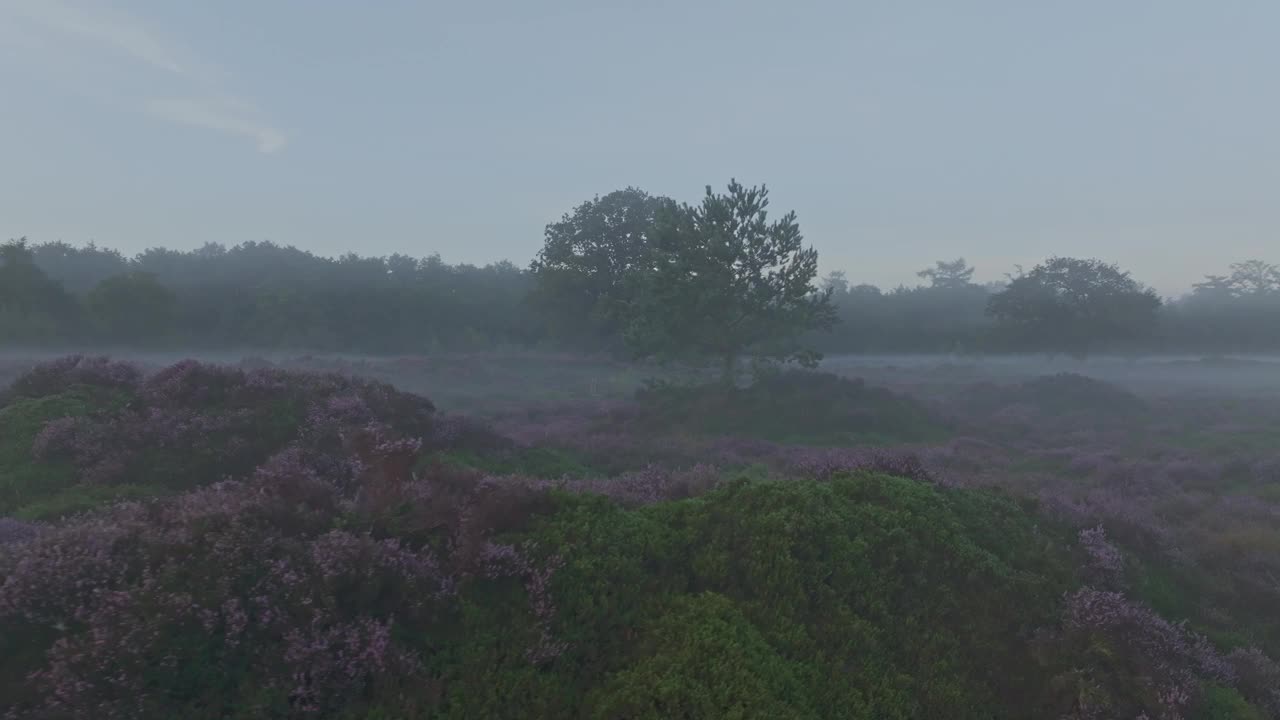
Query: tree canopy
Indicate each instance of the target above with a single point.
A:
(588, 256)
(132, 307)
(723, 281)
(582, 293)
(1072, 306)
(33, 306)
(948, 275)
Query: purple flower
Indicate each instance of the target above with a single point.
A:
(16, 531)
(1104, 558)
(57, 375)
(1172, 660)
(57, 437)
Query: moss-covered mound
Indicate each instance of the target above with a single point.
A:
(799, 407)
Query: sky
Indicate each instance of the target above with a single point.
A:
(1140, 132)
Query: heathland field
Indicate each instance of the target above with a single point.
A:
(528, 535)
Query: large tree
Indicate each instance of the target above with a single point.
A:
(587, 256)
(1074, 306)
(722, 281)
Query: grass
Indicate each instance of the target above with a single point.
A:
(22, 480)
(83, 498)
(538, 462)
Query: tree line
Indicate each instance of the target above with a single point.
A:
(627, 273)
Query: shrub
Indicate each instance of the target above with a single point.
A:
(23, 425)
(701, 658)
(55, 376)
(247, 598)
(185, 426)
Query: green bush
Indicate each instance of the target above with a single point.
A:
(865, 597)
(1221, 703)
(701, 658)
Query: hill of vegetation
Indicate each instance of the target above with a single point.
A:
(790, 407)
(1064, 400)
(318, 557)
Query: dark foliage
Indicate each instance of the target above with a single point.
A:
(1074, 306)
(265, 296)
(791, 406)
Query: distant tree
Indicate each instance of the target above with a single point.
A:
(948, 275)
(722, 281)
(865, 290)
(1073, 306)
(1255, 277)
(836, 283)
(587, 256)
(1248, 279)
(78, 269)
(132, 307)
(32, 305)
(1214, 287)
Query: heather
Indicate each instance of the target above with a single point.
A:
(78, 429)
(258, 540)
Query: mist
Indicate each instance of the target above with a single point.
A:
(551, 360)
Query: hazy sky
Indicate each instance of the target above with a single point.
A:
(1142, 132)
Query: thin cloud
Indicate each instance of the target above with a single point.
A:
(223, 114)
(201, 103)
(124, 36)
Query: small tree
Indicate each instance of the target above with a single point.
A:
(722, 281)
(1071, 306)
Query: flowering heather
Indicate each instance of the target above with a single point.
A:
(497, 561)
(651, 484)
(14, 531)
(1105, 559)
(225, 563)
(822, 463)
(54, 376)
(1258, 678)
(343, 557)
(330, 664)
(1169, 659)
(192, 423)
(59, 436)
(327, 546)
(966, 456)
